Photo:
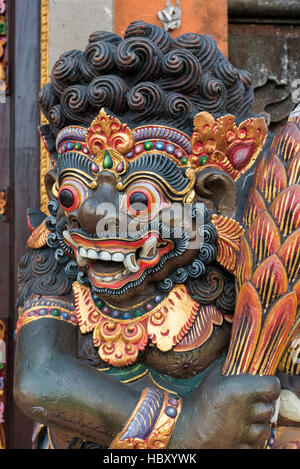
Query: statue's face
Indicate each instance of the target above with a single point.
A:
(128, 222)
(125, 239)
(129, 200)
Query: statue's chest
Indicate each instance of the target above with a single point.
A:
(176, 327)
(194, 354)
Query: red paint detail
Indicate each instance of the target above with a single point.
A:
(111, 243)
(31, 227)
(75, 195)
(139, 212)
(240, 153)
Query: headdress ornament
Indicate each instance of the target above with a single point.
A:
(110, 144)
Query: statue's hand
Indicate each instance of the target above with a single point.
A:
(227, 412)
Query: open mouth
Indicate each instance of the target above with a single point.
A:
(114, 262)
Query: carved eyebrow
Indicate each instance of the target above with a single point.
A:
(163, 170)
(77, 165)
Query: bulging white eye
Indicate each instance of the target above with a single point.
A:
(72, 194)
(143, 199)
(139, 201)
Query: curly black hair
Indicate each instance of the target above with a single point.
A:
(145, 77)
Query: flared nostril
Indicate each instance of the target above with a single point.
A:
(75, 223)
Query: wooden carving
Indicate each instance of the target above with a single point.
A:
(148, 317)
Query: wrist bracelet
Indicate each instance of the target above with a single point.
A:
(152, 422)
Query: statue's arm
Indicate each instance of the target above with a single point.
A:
(55, 388)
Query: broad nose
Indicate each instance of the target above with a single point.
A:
(101, 204)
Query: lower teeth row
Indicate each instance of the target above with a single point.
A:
(118, 276)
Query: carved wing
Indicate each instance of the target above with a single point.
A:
(267, 273)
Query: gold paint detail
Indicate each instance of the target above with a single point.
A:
(55, 190)
(208, 316)
(228, 241)
(161, 433)
(187, 195)
(219, 140)
(2, 330)
(3, 203)
(160, 386)
(51, 444)
(38, 237)
(107, 134)
(119, 341)
(138, 305)
(44, 54)
(172, 318)
(22, 322)
(135, 378)
(80, 175)
(24, 318)
(290, 362)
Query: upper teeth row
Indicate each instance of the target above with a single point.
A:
(102, 255)
(129, 260)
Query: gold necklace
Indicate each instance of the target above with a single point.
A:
(119, 341)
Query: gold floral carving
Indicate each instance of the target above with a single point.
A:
(119, 341)
(228, 146)
(44, 54)
(107, 133)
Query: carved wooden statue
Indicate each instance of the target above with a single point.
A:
(158, 298)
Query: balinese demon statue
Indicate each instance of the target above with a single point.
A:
(158, 296)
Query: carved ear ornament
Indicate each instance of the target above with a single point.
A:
(230, 233)
(110, 144)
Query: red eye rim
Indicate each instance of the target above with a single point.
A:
(75, 195)
(139, 212)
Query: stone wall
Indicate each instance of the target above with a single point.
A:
(72, 21)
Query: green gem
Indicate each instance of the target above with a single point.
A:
(138, 313)
(77, 146)
(203, 160)
(55, 312)
(107, 162)
(184, 160)
(148, 146)
(2, 28)
(100, 303)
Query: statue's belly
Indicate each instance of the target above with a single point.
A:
(186, 364)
